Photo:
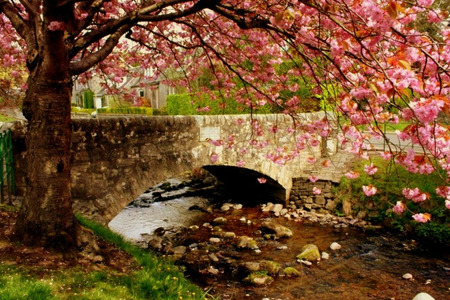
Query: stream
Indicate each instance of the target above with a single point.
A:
(188, 223)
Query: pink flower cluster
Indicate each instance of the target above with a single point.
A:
(415, 195)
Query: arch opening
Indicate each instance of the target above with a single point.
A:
(246, 186)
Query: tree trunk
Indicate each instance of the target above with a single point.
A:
(46, 217)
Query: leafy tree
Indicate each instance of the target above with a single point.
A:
(368, 48)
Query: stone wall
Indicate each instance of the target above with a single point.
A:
(303, 196)
(117, 159)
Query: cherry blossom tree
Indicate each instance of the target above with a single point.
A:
(380, 69)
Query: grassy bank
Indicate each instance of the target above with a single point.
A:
(146, 277)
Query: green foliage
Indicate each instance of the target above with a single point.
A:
(186, 104)
(434, 234)
(389, 181)
(126, 110)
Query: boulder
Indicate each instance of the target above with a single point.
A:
(309, 252)
(279, 230)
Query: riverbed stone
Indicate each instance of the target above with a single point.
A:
(309, 252)
(335, 246)
(270, 266)
(279, 230)
(258, 279)
(277, 208)
(290, 272)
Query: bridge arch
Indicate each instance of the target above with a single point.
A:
(246, 185)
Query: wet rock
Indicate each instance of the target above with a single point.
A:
(423, 296)
(279, 230)
(271, 267)
(325, 255)
(309, 252)
(194, 227)
(258, 279)
(155, 243)
(179, 250)
(290, 272)
(335, 246)
(219, 221)
(247, 242)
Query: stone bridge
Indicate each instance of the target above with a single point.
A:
(115, 159)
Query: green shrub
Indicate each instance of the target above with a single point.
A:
(126, 110)
(389, 181)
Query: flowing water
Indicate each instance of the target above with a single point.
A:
(369, 265)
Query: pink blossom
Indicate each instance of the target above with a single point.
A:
(370, 169)
(240, 163)
(313, 178)
(422, 218)
(317, 191)
(214, 157)
(204, 109)
(56, 25)
(239, 121)
(447, 204)
(369, 190)
(386, 155)
(444, 192)
(311, 160)
(216, 142)
(262, 180)
(315, 143)
(352, 175)
(415, 195)
(399, 208)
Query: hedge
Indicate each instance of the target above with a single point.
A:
(185, 104)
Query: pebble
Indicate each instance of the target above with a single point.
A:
(325, 255)
(243, 220)
(283, 247)
(335, 246)
(237, 206)
(407, 276)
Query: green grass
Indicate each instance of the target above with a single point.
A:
(155, 278)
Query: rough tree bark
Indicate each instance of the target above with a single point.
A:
(46, 217)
